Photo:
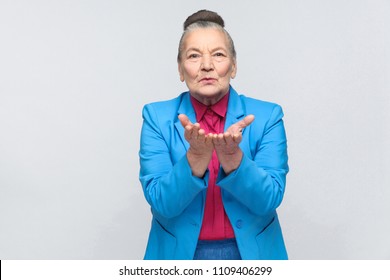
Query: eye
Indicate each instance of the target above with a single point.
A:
(219, 54)
(193, 56)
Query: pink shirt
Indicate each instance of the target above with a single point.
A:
(216, 224)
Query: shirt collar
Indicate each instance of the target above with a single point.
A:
(219, 108)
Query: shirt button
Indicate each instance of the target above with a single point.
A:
(239, 223)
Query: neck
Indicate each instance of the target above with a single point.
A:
(208, 101)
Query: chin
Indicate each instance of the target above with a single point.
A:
(209, 96)
(211, 91)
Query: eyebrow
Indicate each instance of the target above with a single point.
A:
(213, 50)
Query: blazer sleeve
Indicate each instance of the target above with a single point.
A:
(259, 182)
(169, 187)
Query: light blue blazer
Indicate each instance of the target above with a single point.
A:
(250, 194)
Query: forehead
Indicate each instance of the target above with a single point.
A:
(206, 38)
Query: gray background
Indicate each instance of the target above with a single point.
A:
(74, 76)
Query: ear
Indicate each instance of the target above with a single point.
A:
(180, 68)
(234, 70)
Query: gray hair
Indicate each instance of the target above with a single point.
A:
(205, 24)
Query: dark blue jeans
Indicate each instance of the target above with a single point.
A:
(217, 250)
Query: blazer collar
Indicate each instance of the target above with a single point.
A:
(186, 108)
(235, 110)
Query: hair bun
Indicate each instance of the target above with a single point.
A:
(204, 15)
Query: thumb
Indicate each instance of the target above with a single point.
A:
(184, 120)
(246, 121)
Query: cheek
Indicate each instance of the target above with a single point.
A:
(225, 70)
(190, 71)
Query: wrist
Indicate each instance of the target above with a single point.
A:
(231, 162)
(198, 163)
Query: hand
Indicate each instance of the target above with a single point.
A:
(226, 144)
(201, 147)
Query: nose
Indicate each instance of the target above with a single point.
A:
(207, 63)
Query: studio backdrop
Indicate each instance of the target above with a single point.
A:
(75, 74)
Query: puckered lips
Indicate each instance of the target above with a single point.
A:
(207, 80)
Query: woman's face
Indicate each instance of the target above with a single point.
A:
(206, 64)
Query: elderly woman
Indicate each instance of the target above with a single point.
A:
(213, 162)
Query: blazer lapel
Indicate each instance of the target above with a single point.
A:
(186, 108)
(235, 111)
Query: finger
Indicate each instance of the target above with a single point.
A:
(209, 139)
(222, 139)
(184, 120)
(213, 137)
(218, 139)
(192, 131)
(237, 138)
(229, 139)
(188, 131)
(201, 135)
(246, 122)
(195, 130)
